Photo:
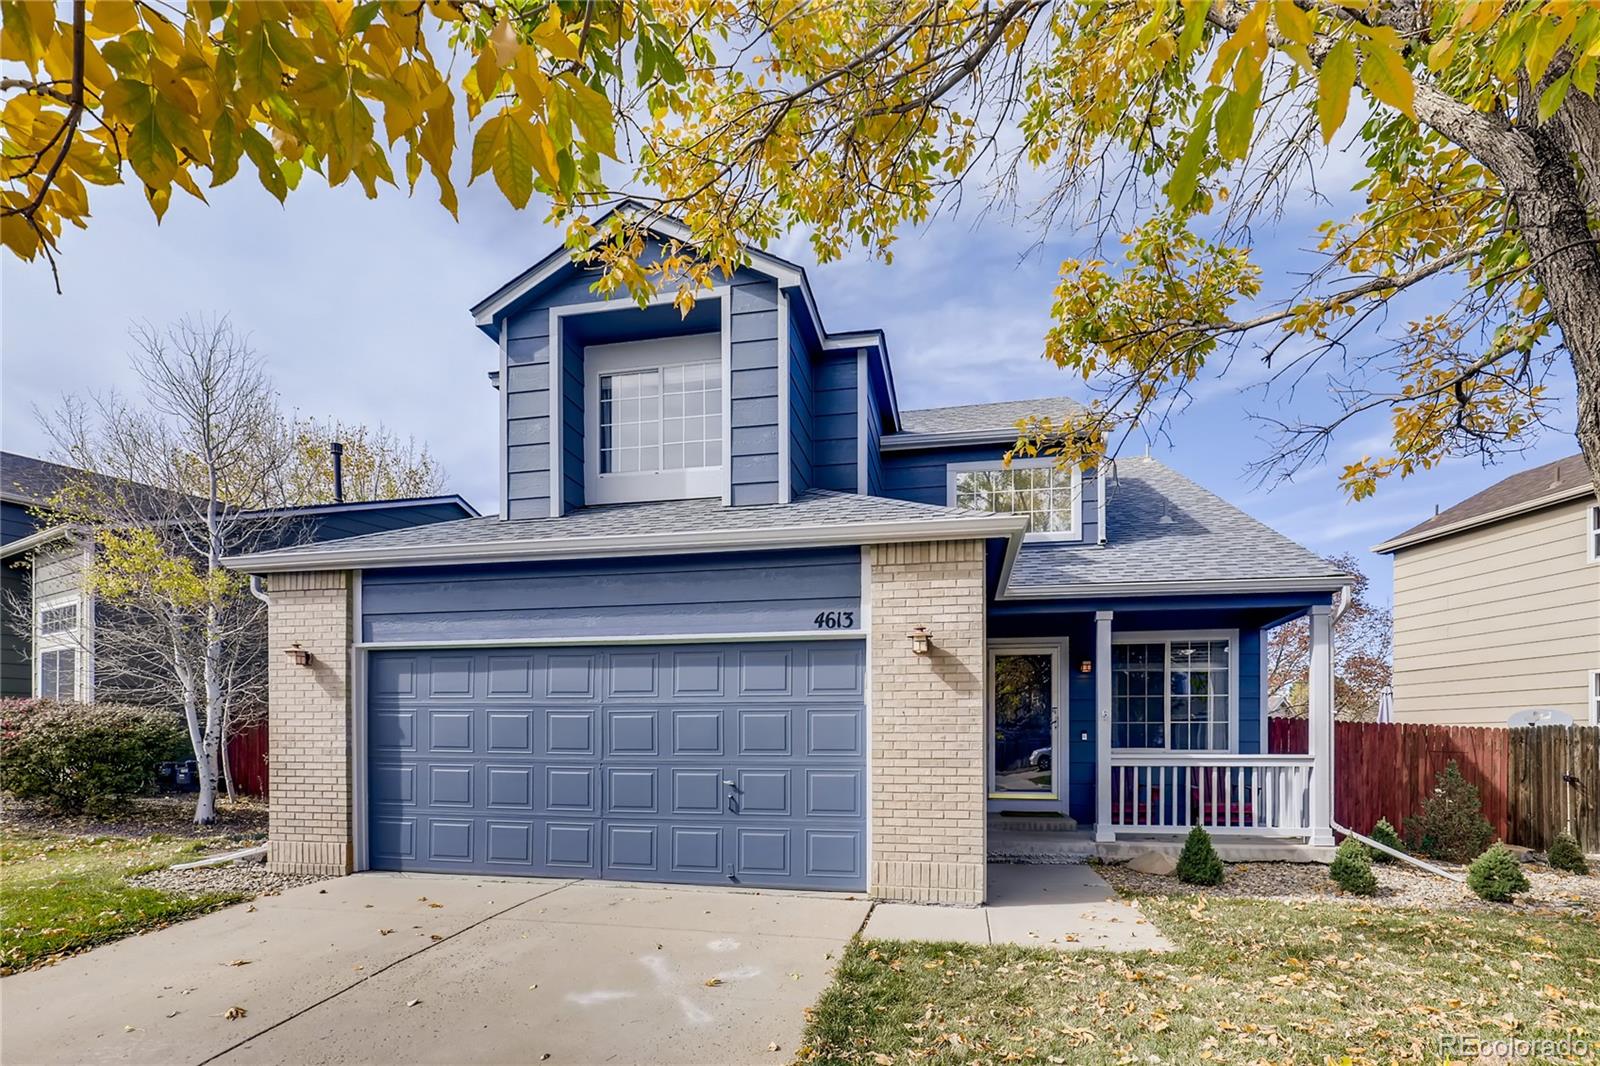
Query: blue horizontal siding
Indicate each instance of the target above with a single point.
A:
(753, 592)
(834, 423)
(800, 410)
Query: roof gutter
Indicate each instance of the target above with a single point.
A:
(1408, 540)
(1329, 584)
(976, 528)
(906, 442)
(35, 540)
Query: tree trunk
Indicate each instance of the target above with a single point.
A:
(1555, 226)
(227, 766)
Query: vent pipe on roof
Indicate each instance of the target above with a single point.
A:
(337, 448)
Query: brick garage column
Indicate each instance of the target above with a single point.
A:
(309, 718)
(929, 798)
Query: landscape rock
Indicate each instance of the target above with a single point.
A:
(1154, 862)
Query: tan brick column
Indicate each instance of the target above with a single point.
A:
(928, 723)
(308, 732)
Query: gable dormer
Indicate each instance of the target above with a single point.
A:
(746, 399)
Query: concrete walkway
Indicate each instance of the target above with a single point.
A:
(392, 968)
(1067, 907)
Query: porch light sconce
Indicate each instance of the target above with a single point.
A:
(1086, 667)
(920, 638)
(297, 655)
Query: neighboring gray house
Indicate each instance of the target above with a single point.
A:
(1497, 603)
(52, 653)
(744, 619)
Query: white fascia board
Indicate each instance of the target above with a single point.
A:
(484, 312)
(1328, 584)
(1394, 544)
(842, 534)
(36, 540)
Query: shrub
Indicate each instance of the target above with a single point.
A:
(1385, 834)
(1566, 855)
(1198, 864)
(1496, 875)
(84, 757)
(1451, 825)
(1352, 868)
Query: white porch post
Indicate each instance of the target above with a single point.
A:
(1102, 727)
(1321, 724)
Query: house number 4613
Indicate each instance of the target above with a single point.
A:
(835, 620)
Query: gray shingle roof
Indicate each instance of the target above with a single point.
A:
(816, 509)
(983, 418)
(1163, 528)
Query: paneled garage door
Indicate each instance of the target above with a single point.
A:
(715, 763)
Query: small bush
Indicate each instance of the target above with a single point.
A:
(1198, 864)
(1451, 825)
(1496, 875)
(1384, 833)
(84, 757)
(1352, 868)
(1566, 855)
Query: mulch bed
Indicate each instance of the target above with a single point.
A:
(171, 815)
(1398, 886)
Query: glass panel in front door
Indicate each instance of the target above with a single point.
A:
(1024, 687)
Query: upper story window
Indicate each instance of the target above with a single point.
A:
(654, 422)
(1594, 533)
(665, 418)
(59, 619)
(1050, 498)
(57, 648)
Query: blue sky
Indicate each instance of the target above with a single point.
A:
(360, 309)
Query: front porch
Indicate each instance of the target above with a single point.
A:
(1139, 721)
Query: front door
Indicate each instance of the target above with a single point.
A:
(1025, 702)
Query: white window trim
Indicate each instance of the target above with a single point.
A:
(1167, 636)
(1594, 697)
(954, 470)
(70, 640)
(601, 359)
(1592, 540)
(1057, 649)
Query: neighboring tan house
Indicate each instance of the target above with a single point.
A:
(1497, 603)
(744, 620)
(42, 565)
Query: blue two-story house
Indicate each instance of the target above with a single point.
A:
(743, 620)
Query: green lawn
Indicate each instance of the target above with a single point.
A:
(62, 893)
(1250, 981)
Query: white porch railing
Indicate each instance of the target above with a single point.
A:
(1256, 795)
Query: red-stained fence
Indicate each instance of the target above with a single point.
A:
(247, 758)
(1388, 770)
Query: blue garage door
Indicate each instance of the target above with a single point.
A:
(715, 764)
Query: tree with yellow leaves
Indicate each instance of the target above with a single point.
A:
(1172, 128)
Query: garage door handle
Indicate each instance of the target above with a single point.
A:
(731, 784)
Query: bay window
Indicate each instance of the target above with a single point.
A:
(1174, 692)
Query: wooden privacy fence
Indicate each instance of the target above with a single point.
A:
(1533, 781)
(247, 758)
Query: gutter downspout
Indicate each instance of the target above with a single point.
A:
(258, 591)
(1402, 856)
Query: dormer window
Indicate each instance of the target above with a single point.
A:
(655, 419)
(1050, 498)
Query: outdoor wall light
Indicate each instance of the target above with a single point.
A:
(920, 638)
(1086, 667)
(297, 655)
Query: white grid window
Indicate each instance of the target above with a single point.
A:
(62, 619)
(1594, 698)
(666, 418)
(58, 674)
(1048, 497)
(1594, 533)
(1170, 694)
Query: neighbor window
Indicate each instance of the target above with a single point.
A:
(62, 619)
(1173, 694)
(1594, 533)
(1047, 496)
(58, 674)
(1594, 698)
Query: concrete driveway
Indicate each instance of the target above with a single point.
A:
(397, 968)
